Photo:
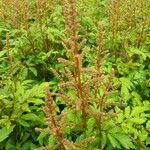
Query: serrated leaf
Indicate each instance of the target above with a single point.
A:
(148, 125)
(41, 137)
(36, 91)
(33, 70)
(51, 140)
(104, 140)
(137, 110)
(127, 112)
(4, 132)
(143, 134)
(90, 123)
(137, 120)
(126, 82)
(26, 82)
(124, 91)
(120, 117)
(23, 122)
(31, 117)
(24, 73)
(124, 140)
(131, 129)
(113, 141)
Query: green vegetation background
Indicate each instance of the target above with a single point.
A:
(31, 41)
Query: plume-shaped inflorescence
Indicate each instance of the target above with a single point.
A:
(85, 101)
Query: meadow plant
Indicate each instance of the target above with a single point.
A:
(84, 91)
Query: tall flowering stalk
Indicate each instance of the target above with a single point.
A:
(84, 102)
(71, 25)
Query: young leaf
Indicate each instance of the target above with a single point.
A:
(137, 120)
(51, 140)
(90, 123)
(41, 137)
(148, 125)
(113, 141)
(137, 110)
(23, 122)
(126, 82)
(143, 134)
(4, 132)
(127, 112)
(33, 70)
(124, 140)
(31, 117)
(104, 140)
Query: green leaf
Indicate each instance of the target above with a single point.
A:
(127, 112)
(129, 129)
(41, 137)
(28, 145)
(90, 123)
(126, 82)
(31, 117)
(4, 132)
(71, 117)
(104, 140)
(137, 120)
(38, 90)
(124, 91)
(33, 70)
(52, 140)
(143, 134)
(113, 141)
(124, 140)
(137, 110)
(2, 53)
(23, 73)
(148, 125)
(25, 107)
(138, 52)
(27, 82)
(101, 91)
(23, 122)
(120, 117)
(9, 145)
(35, 101)
(5, 121)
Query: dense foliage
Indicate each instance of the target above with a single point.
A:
(74, 74)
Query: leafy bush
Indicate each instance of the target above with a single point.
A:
(94, 56)
(20, 113)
